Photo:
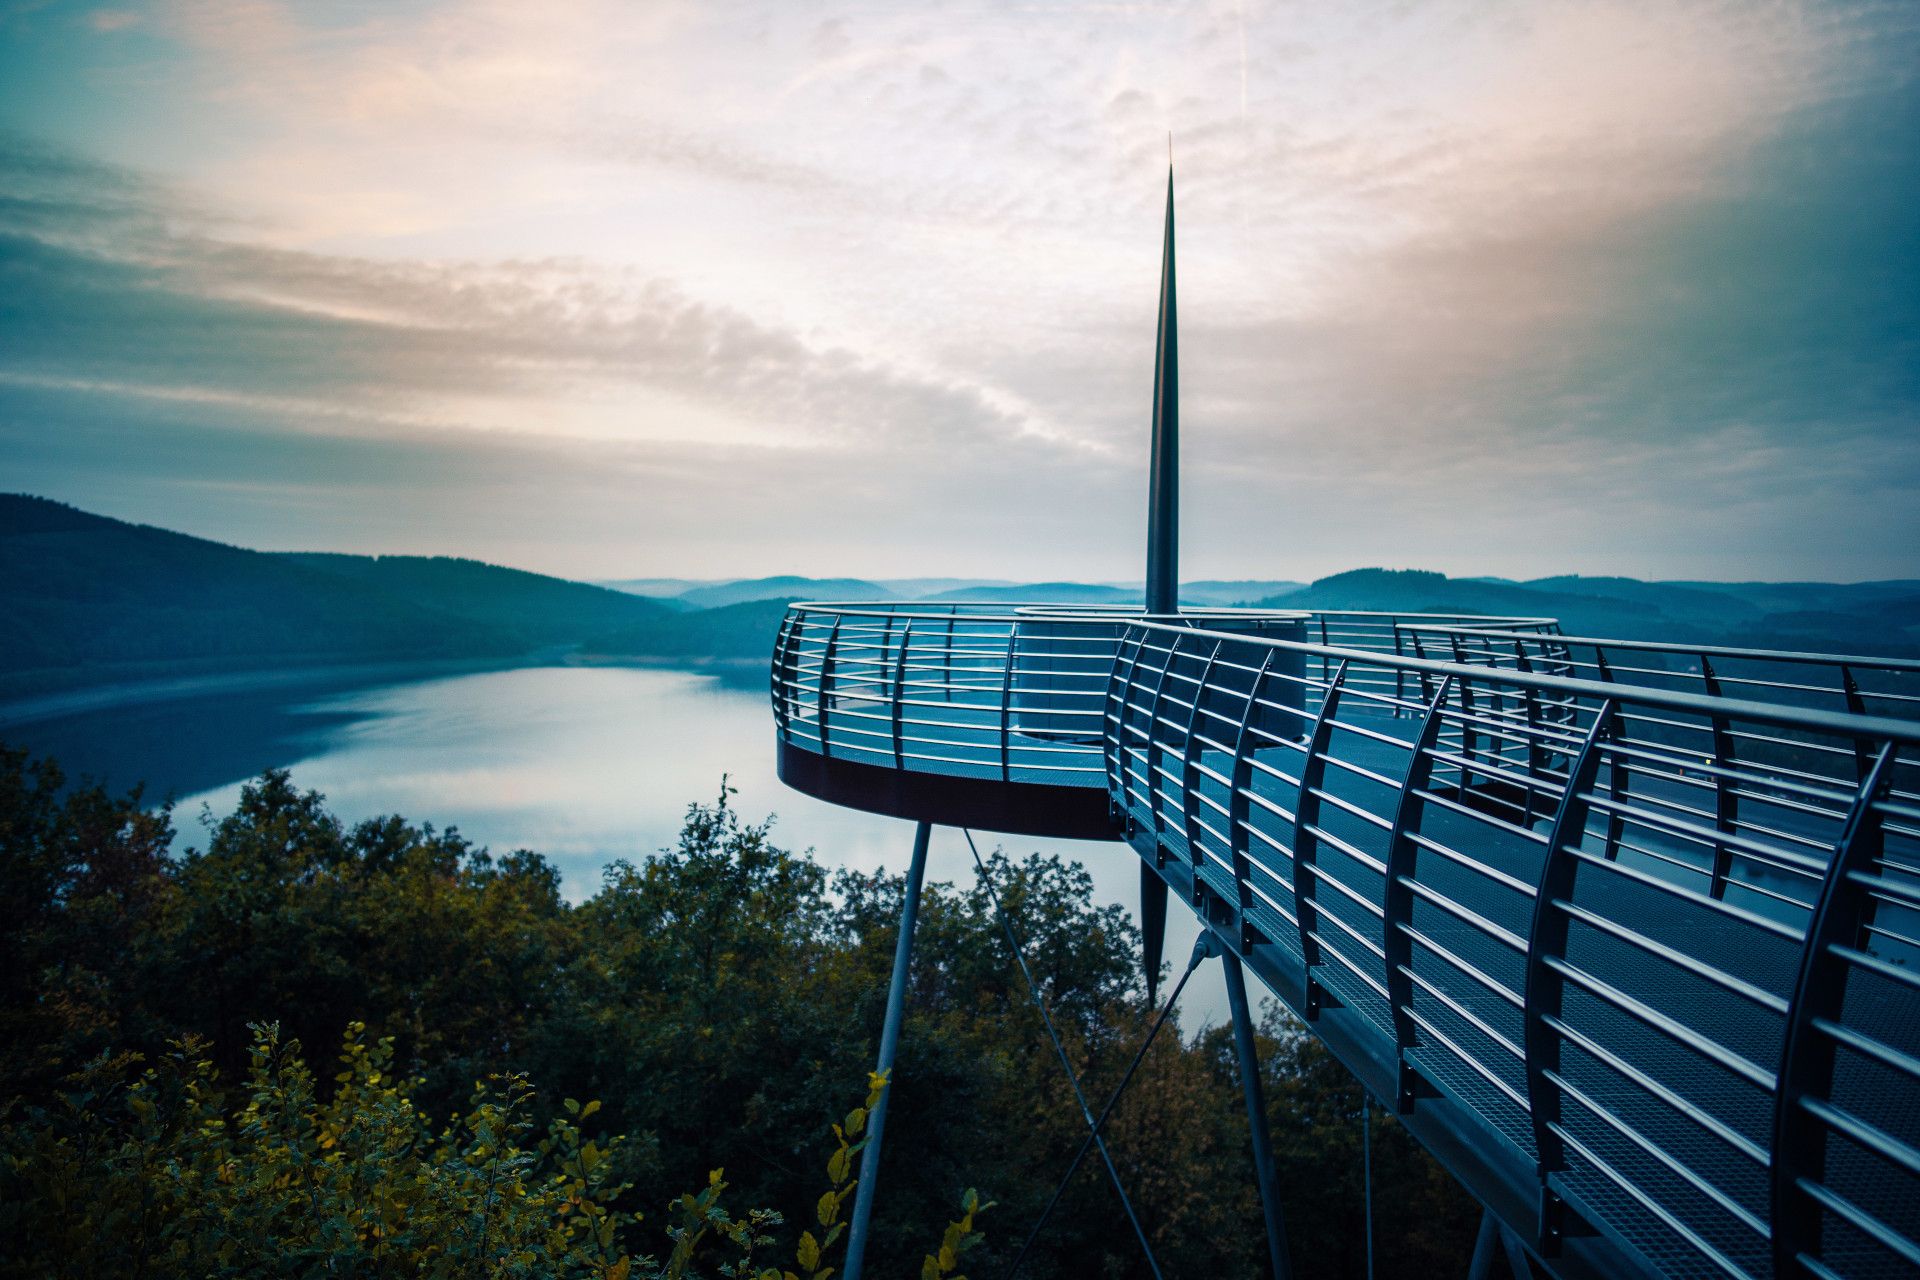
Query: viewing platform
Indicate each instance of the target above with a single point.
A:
(1627, 932)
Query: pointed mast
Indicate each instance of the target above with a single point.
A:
(1163, 550)
(1163, 488)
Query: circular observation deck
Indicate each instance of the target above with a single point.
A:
(991, 716)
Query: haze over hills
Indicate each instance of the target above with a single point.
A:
(784, 587)
(90, 601)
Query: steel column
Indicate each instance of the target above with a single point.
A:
(889, 1042)
(1263, 1170)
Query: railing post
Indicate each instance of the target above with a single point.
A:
(1807, 1055)
(1112, 745)
(1725, 814)
(1547, 940)
(1155, 803)
(1306, 811)
(1240, 783)
(1850, 690)
(1248, 1053)
(779, 677)
(899, 707)
(823, 696)
(1397, 901)
(1190, 770)
(1006, 705)
(889, 1043)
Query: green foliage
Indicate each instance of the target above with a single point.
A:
(715, 999)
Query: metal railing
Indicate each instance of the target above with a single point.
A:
(1697, 1022)
(1008, 691)
(1652, 950)
(1860, 683)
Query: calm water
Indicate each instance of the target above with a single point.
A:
(582, 764)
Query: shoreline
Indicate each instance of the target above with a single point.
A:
(132, 693)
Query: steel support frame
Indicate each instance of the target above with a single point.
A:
(889, 1044)
(1248, 1053)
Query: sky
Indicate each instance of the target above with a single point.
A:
(713, 289)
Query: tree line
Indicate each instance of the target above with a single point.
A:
(312, 1047)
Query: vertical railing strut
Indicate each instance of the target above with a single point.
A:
(1807, 1055)
(1239, 799)
(899, 707)
(1725, 813)
(1190, 768)
(1397, 900)
(1547, 940)
(1006, 704)
(1306, 812)
(824, 696)
(780, 677)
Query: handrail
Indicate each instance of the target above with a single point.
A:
(1677, 648)
(1665, 699)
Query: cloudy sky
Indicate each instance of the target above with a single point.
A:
(716, 289)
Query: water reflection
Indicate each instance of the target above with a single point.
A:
(582, 764)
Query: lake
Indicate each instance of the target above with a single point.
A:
(582, 764)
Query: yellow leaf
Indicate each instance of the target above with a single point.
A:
(809, 1251)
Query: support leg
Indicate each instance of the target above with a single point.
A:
(889, 1041)
(1263, 1169)
(1481, 1268)
(1153, 928)
(1516, 1255)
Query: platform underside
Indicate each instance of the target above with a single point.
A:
(952, 800)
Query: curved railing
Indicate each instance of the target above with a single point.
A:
(1015, 692)
(1641, 964)
(1861, 683)
(1519, 905)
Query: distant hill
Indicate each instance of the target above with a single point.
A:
(653, 588)
(1046, 593)
(1878, 617)
(90, 600)
(1218, 594)
(731, 633)
(921, 588)
(784, 587)
(535, 610)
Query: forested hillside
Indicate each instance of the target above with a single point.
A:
(89, 599)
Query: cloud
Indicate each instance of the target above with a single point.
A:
(1577, 285)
